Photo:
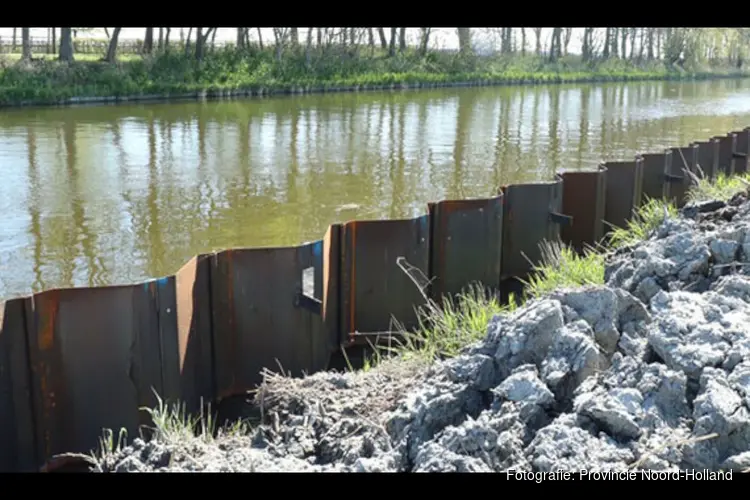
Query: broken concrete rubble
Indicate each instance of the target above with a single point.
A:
(649, 371)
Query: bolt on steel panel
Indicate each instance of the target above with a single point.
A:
(466, 245)
(17, 432)
(655, 168)
(95, 359)
(708, 158)
(527, 223)
(374, 289)
(682, 169)
(583, 198)
(726, 150)
(623, 193)
(194, 364)
(256, 323)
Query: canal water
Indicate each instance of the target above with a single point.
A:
(105, 195)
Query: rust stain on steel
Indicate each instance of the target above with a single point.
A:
(97, 370)
(583, 199)
(371, 276)
(17, 433)
(624, 181)
(466, 245)
(331, 286)
(655, 168)
(684, 164)
(726, 148)
(708, 157)
(194, 334)
(256, 322)
(526, 223)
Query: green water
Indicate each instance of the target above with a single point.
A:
(104, 195)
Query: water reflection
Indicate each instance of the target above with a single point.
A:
(117, 194)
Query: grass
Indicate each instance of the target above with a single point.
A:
(171, 423)
(723, 187)
(643, 223)
(48, 81)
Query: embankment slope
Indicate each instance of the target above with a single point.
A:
(649, 371)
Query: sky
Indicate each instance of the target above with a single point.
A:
(442, 37)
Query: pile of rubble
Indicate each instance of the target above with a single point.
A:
(649, 371)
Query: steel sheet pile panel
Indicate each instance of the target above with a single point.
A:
(17, 445)
(466, 245)
(95, 361)
(527, 223)
(708, 158)
(655, 168)
(374, 289)
(741, 148)
(726, 153)
(682, 169)
(623, 193)
(192, 363)
(583, 198)
(328, 290)
(256, 324)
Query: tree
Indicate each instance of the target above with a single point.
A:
(464, 40)
(538, 35)
(25, 44)
(112, 48)
(424, 42)
(402, 40)
(392, 44)
(148, 41)
(66, 45)
(383, 40)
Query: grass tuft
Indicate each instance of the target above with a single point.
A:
(562, 267)
(644, 222)
(445, 329)
(723, 187)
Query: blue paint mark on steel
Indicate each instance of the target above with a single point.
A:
(160, 282)
(318, 249)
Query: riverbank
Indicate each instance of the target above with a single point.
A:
(228, 74)
(646, 368)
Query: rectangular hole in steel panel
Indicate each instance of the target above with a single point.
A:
(308, 281)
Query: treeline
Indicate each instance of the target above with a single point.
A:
(671, 45)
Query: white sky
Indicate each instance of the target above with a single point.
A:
(442, 37)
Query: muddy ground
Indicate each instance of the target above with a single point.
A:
(650, 371)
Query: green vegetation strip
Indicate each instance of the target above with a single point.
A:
(228, 72)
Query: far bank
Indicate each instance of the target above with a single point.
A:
(226, 74)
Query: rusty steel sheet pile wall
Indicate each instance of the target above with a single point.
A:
(584, 199)
(741, 150)
(726, 153)
(682, 169)
(74, 362)
(18, 449)
(531, 213)
(95, 358)
(655, 168)
(708, 158)
(375, 291)
(264, 315)
(623, 192)
(466, 245)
